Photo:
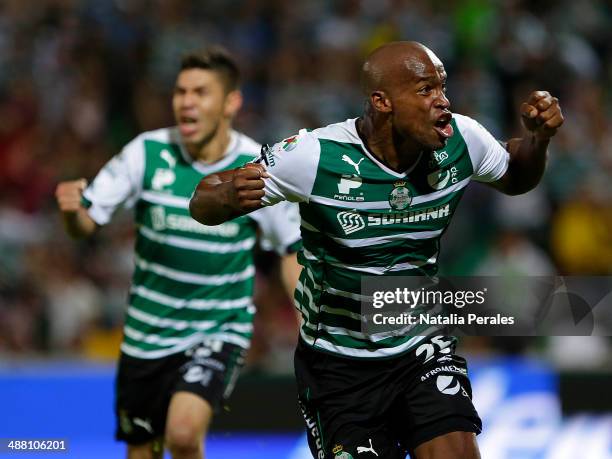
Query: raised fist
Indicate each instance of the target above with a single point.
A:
(68, 195)
(248, 187)
(541, 115)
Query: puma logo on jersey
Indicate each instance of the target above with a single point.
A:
(144, 423)
(347, 159)
(363, 449)
(166, 156)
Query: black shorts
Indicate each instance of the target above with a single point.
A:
(385, 407)
(144, 386)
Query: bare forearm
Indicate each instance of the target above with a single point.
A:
(290, 273)
(527, 163)
(212, 204)
(541, 117)
(79, 224)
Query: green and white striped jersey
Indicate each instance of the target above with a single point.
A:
(359, 217)
(190, 280)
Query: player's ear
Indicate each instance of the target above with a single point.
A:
(381, 102)
(233, 103)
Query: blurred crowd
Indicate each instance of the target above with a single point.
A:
(80, 78)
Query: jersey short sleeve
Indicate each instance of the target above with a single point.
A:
(489, 158)
(118, 184)
(280, 227)
(292, 167)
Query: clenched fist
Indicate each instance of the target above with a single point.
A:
(541, 115)
(68, 195)
(248, 186)
(224, 195)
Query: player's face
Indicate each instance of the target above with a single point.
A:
(420, 106)
(200, 104)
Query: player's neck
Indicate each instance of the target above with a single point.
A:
(212, 149)
(382, 143)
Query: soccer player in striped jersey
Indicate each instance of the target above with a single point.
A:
(376, 193)
(189, 318)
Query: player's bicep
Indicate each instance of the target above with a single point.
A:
(494, 164)
(489, 157)
(505, 183)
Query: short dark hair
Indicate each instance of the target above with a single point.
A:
(217, 59)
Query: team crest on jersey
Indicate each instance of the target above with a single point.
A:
(400, 196)
(290, 143)
(338, 453)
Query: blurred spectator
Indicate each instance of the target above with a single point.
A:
(582, 229)
(513, 254)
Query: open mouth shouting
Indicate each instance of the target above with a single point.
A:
(188, 125)
(443, 127)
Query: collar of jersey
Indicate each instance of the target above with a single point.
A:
(353, 129)
(231, 152)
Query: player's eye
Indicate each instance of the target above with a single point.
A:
(425, 90)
